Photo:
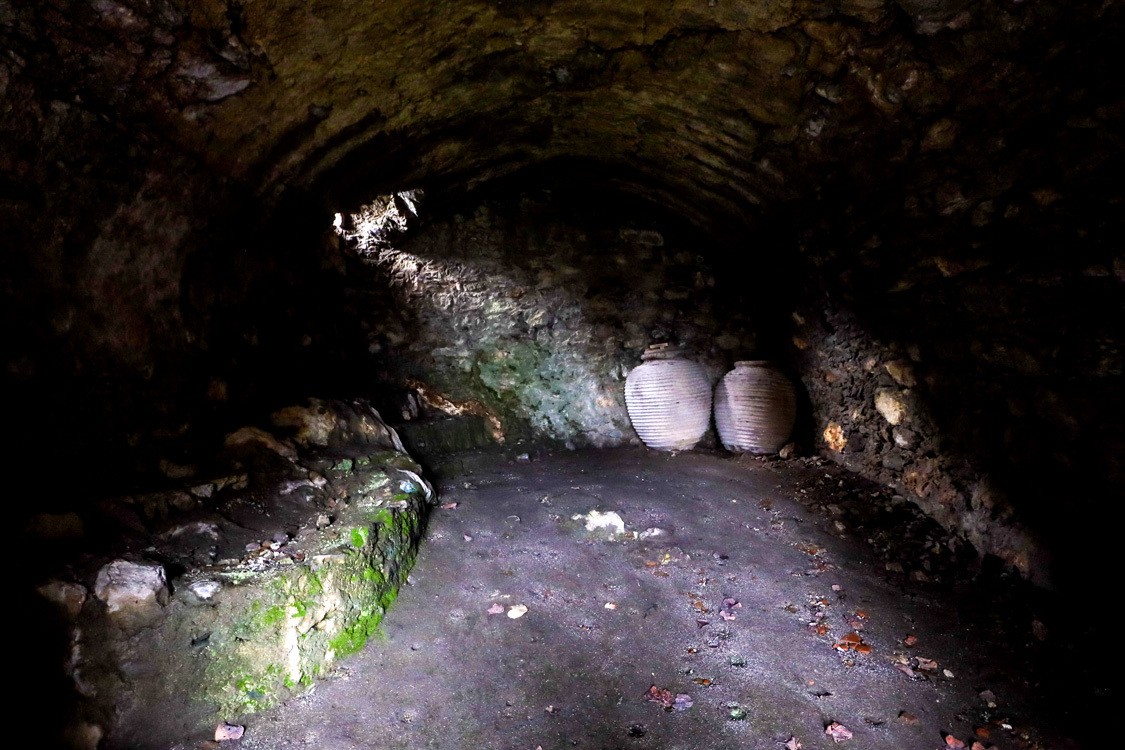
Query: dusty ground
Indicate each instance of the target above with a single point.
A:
(777, 599)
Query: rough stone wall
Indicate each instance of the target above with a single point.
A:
(973, 361)
(98, 223)
(962, 160)
(539, 316)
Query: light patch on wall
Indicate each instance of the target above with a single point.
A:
(375, 226)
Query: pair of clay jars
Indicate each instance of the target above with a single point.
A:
(669, 401)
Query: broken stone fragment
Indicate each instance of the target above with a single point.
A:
(203, 490)
(69, 596)
(225, 732)
(131, 587)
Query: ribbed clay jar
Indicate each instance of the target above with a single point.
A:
(755, 408)
(669, 402)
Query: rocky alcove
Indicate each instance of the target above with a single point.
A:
(288, 287)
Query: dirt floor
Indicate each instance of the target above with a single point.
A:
(750, 603)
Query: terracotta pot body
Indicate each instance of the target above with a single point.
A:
(669, 403)
(755, 408)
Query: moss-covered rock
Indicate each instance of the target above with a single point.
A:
(240, 635)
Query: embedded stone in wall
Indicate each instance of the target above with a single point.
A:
(556, 321)
(66, 595)
(128, 587)
(248, 437)
(835, 438)
(891, 406)
(903, 437)
(902, 373)
(313, 425)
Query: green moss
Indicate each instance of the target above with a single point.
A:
(387, 598)
(352, 639)
(274, 615)
(313, 583)
(256, 692)
(243, 673)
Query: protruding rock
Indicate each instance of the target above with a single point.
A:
(904, 437)
(69, 596)
(131, 587)
(205, 590)
(83, 736)
(902, 372)
(835, 438)
(891, 406)
(252, 435)
(314, 423)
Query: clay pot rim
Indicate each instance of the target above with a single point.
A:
(753, 363)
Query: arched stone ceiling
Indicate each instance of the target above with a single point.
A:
(711, 106)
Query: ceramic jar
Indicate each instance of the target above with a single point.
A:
(669, 400)
(755, 408)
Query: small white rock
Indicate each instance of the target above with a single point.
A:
(596, 520)
(225, 732)
(204, 590)
(516, 611)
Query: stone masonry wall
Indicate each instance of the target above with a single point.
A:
(540, 318)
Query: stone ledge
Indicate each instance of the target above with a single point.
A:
(163, 631)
